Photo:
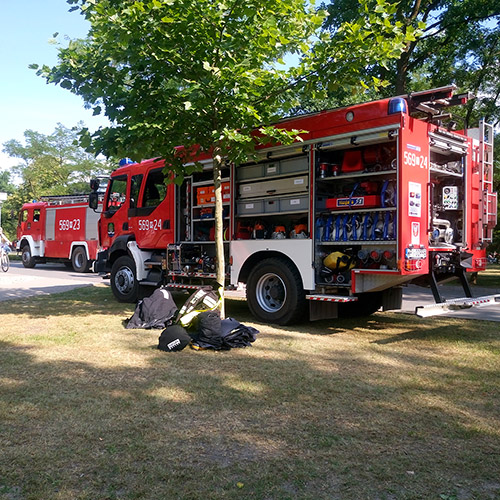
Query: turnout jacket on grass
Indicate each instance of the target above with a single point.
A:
(157, 311)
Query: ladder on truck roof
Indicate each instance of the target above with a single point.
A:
(65, 199)
(488, 199)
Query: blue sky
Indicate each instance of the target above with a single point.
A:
(26, 101)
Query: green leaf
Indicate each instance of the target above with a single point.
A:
(66, 84)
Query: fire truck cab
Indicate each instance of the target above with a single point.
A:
(376, 196)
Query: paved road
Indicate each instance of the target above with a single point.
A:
(44, 279)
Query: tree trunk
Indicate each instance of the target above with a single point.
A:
(219, 228)
(402, 74)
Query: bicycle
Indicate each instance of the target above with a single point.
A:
(4, 260)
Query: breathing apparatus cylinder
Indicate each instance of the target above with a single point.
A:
(338, 261)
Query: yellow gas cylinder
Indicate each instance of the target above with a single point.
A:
(338, 261)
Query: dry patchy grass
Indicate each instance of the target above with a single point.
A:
(490, 277)
(388, 407)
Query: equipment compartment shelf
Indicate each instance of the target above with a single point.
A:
(210, 205)
(357, 242)
(445, 173)
(262, 214)
(208, 219)
(356, 210)
(277, 176)
(273, 205)
(356, 174)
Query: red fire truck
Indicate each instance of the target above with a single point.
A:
(58, 229)
(378, 195)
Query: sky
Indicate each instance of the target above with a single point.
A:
(26, 100)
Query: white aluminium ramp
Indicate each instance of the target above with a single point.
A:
(455, 305)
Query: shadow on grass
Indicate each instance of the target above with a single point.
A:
(321, 424)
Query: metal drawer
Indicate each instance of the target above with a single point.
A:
(286, 204)
(292, 165)
(249, 172)
(273, 168)
(274, 187)
(250, 207)
(294, 204)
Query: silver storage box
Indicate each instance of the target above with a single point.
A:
(272, 206)
(294, 204)
(247, 207)
(286, 204)
(274, 187)
(249, 172)
(293, 165)
(271, 169)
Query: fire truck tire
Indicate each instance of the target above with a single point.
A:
(26, 257)
(275, 293)
(124, 280)
(79, 260)
(367, 304)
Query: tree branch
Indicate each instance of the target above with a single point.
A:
(455, 25)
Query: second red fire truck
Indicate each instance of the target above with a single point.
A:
(378, 195)
(58, 229)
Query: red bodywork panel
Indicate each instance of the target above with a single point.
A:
(332, 122)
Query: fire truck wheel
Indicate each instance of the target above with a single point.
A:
(367, 304)
(79, 260)
(123, 279)
(275, 293)
(28, 259)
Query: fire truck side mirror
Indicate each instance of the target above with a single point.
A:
(94, 184)
(93, 200)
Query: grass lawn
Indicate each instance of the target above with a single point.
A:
(388, 407)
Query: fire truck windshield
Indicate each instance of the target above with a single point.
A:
(116, 193)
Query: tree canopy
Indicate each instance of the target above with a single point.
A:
(203, 74)
(199, 72)
(460, 45)
(53, 164)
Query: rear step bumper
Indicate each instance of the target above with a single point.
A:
(331, 298)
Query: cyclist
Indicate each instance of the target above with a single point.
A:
(5, 248)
